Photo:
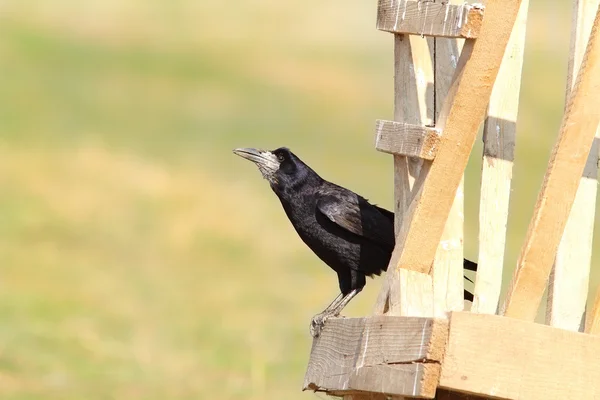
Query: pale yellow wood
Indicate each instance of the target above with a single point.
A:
(569, 280)
(406, 140)
(448, 281)
(463, 112)
(559, 188)
(393, 355)
(512, 359)
(496, 175)
(427, 18)
(407, 292)
(592, 324)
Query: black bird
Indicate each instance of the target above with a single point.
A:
(352, 236)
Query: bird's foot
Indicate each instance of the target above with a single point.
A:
(318, 323)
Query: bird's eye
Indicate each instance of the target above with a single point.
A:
(280, 157)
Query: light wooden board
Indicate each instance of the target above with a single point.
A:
(427, 18)
(463, 112)
(406, 140)
(569, 280)
(498, 154)
(512, 359)
(448, 281)
(592, 324)
(560, 185)
(393, 355)
(405, 292)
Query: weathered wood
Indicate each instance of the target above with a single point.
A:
(427, 18)
(406, 140)
(498, 153)
(560, 185)
(592, 324)
(448, 281)
(393, 355)
(507, 358)
(405, 292)
(569, 279)
(463, 112)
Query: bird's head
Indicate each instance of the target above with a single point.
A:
(280, 167)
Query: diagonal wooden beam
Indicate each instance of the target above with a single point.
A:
(592, 324)
(569, 280)
(560, 185)
(460, 118)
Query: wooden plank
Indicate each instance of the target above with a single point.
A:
(405, 292)
(496, 175)
(592, 324)
(427, 18)
(393, 355)
(507, 358)
(406, 139)
(448, 281)
(569, 279)
(559, 188)
(463, 112)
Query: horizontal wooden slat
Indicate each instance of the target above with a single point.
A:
(406, 139)
(427, 18)
(393, 355)
(507, 358)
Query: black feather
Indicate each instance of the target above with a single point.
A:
(352, 236)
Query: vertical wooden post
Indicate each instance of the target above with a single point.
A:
(569, 280)
(448, 281)
(409, 293)
(496, 175)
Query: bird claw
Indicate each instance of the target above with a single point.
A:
(317, 324)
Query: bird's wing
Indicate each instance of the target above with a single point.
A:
(356, 215)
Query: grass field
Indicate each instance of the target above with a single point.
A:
(139, 258)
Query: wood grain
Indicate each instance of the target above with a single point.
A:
(429, 18)
(406, 140)
(393, 355)
(447, 272)
(569, 280)
(560, 185)
(506, 358)
(405, 292)
(592, 325)
(499, 135)
(463, 112)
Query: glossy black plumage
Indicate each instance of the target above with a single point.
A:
(350, 235)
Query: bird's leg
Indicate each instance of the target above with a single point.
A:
(344, 302)
(333, 310)
(334, 303)
(318, 320)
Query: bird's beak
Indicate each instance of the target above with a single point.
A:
(266, 161)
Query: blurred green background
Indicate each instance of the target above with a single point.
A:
(140, 259)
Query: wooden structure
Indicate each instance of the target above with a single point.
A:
(456, 66)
